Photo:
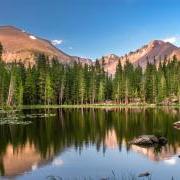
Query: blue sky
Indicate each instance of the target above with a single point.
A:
(92, 28)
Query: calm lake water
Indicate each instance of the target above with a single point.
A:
(89, 143)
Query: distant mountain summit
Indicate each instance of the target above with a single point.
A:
(155, 51)
(22, 46)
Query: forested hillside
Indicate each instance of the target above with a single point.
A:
(55, 83)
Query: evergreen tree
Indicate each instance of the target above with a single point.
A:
(29, 87)
(48, 91)
(1, 51)
(56, 83)
(81, 88)
(150, 83)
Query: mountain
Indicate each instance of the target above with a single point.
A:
(22, 46)
(156, 50)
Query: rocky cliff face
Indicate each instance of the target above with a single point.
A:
(21, 46)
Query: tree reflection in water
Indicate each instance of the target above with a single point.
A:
(24, 148)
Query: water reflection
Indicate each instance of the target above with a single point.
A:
(18, 160)
(111, 139)
(25, 148)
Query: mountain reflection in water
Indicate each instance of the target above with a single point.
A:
(20, 160)
(25, 148)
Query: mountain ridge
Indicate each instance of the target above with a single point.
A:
(23, 46)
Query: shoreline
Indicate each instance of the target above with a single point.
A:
(95, 106)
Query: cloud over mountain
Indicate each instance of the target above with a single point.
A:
(56, 42)
(173, 39)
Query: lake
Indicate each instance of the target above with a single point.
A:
(87, 144)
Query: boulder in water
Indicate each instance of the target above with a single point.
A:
(149, 140)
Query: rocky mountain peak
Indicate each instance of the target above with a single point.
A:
(156, 43)
(156, 49)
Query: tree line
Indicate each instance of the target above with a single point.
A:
(51, 82)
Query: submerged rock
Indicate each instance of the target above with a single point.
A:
(149, 140)
(145, 174)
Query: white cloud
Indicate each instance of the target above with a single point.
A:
(70, 48)
(171, 39)
(57, 42)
